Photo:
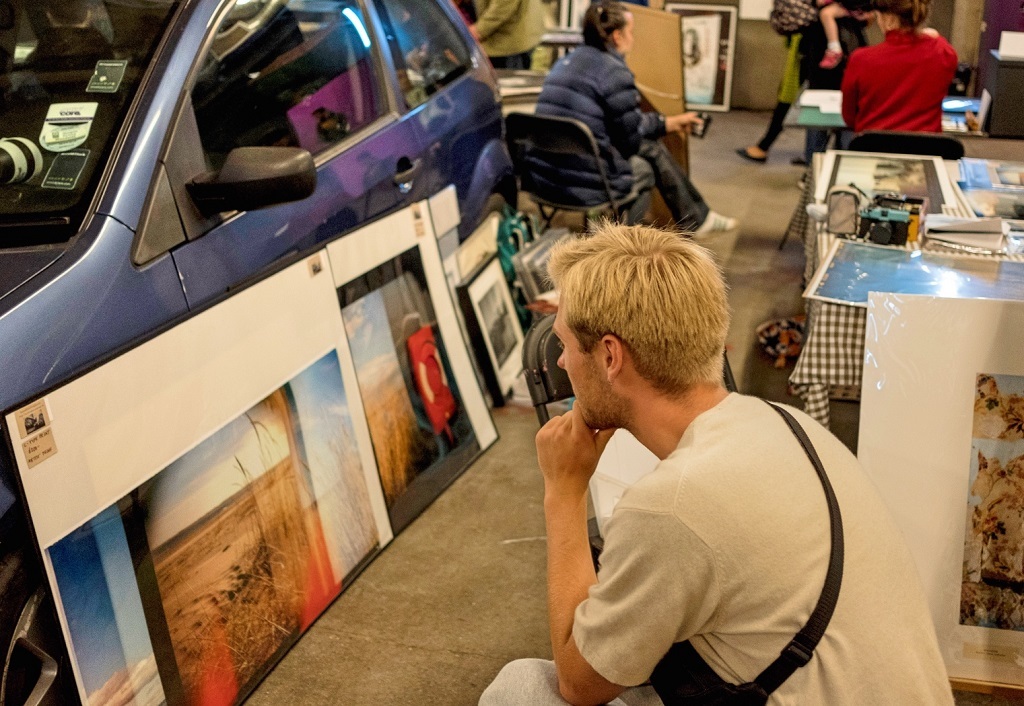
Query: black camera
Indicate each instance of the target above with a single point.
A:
(701, 129)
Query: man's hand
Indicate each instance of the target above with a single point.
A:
(682, 122)
(568, 451)
(475, 32)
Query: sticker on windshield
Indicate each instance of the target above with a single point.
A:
(67, 126)
(106, 77)
(65, 170)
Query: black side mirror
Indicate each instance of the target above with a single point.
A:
(255, 177)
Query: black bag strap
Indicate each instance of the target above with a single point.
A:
(799, 650)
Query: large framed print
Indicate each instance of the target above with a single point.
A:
(493, 327)
(874, 173)
(427, 415)
(851, 270)
(201, 499)
(709, 41)
(942, 437)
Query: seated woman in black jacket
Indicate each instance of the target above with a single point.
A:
(594, 85)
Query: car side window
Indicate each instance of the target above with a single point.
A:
(288, 73)
(428, 51)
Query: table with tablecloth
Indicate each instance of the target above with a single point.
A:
(831, 361)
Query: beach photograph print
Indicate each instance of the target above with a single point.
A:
(253, 532)
(992, 592)
(422, 436)
(100, 600)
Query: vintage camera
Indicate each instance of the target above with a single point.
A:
(884, 226)
(891, 219)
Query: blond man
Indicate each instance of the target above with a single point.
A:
(726, 543)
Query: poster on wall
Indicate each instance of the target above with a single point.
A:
(201, 499)
(942, 436)
(426, 413)
(709, 40)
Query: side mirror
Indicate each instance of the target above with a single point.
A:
(255, 177)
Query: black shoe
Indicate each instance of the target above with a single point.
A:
(798, 162)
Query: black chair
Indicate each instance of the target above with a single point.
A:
(545, 136)
(895, 142)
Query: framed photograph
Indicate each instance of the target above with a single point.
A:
(942, 438)
(851, 270)
(199, 500)
(874, 173)
(493, 327)
(427, 415)
(709, 41)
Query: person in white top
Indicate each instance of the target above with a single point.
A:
(726, 543)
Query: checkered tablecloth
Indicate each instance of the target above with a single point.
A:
(831, 357)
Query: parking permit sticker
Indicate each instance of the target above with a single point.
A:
(106, 77)
(65, 170)
(32, 418)
(67, 126)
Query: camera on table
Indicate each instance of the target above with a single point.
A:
(891, 219)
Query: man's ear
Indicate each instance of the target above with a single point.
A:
(613, 353)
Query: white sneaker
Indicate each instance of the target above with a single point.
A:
(715, 223)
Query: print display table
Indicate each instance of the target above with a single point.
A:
(830, 364)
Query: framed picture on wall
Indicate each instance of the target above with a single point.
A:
(709, 42)
(494, 331)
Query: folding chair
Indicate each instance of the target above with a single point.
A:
(896, 142)
(543, 136)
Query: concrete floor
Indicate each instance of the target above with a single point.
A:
(462, 591)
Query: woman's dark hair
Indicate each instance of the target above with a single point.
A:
(912, 13)
(600, 21)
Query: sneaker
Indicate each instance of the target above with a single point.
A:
(831, 59)
(715, 223)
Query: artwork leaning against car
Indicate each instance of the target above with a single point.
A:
(158, 161)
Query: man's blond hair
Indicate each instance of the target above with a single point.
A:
(662, 295)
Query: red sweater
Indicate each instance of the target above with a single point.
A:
(898, 84)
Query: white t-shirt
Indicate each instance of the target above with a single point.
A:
(726, 543)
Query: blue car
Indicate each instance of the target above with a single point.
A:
(159, 156)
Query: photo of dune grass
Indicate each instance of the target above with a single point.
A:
(105, 618)
(253, 531)
(389, 412)
(992, 592)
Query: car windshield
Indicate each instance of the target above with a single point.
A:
(69, 70)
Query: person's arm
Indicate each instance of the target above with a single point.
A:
(568, 451)
(497, 13)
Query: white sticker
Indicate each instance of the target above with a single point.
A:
(67, 126)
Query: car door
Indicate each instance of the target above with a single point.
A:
(446, 84)
(289, 73)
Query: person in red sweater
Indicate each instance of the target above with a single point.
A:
(900, 83)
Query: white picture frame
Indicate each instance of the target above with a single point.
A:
(709, 47)
(493, 327)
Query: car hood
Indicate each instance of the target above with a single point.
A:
(19, 266)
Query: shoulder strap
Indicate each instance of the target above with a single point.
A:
(799, 650)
